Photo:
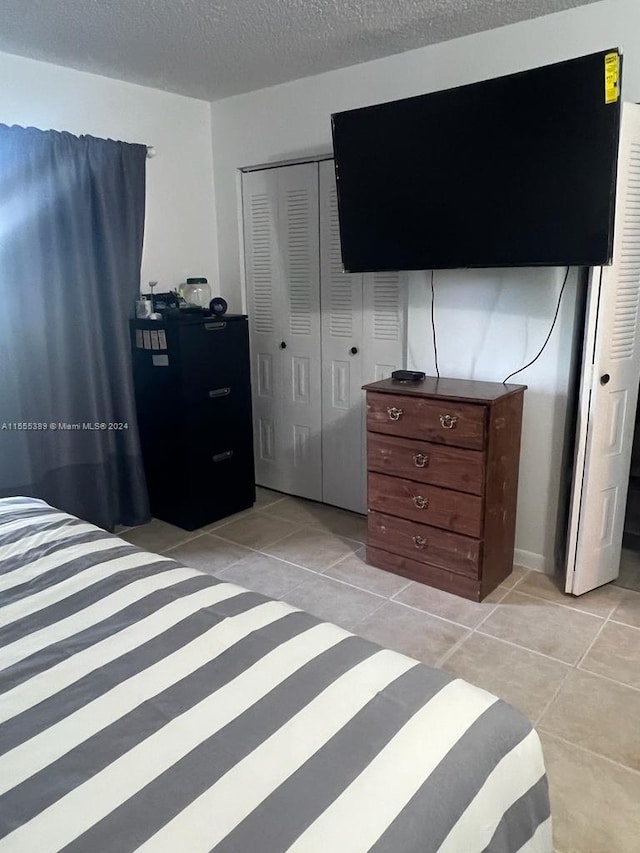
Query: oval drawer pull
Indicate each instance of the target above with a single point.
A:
(448, 421)
(420, 460)
(220, 457)
(420, 502)
(419, 541)
(394, 414)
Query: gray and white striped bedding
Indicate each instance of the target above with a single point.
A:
(147, 706)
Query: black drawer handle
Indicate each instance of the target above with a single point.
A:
(215, 327)
(220, 392)
(220, 457)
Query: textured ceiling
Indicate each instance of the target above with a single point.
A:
(211, 49)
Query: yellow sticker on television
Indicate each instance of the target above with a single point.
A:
(611, 77)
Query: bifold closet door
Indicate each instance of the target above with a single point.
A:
(281, 235)
(342, 354)
(362, 341)
(608, 386)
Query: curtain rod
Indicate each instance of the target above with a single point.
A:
(151, 152)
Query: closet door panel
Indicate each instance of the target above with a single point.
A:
(300, 358)
(384, 301)
(342, 399)
(282, 269)
(266, 306)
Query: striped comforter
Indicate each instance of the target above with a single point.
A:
(147, 706)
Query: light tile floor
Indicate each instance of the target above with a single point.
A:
(571, 664)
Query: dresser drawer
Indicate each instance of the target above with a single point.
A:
(451, 467)
(451, 551)
(458, 424)
(426, 504)
(425, 573)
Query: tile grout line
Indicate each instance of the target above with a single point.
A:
(311, 523)
(471, 630)
(556, 603)
(624, 624)
(338, 580)
(553, 698)
(609, 679)
(493, 609)
(339, 560)
(454, 648)
(300, 528)
(368, 616)
(592, 643)
(267, 545)
(364, 589)
(406, 586)
(577, 666)
(594, 754)
(434, 615)
(244, 514)
(523, 648)
(317, 572)
(282, 497)
(238, 545)
(263, 554)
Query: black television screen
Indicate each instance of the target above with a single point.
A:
(515, 171)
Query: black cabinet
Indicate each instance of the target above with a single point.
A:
(193, 396)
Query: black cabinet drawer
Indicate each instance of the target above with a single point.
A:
(204, 485)
(214, 422)
(213, 356)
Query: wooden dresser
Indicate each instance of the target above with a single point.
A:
(442, 459)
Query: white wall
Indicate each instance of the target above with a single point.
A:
(489, 322)
(180, 216)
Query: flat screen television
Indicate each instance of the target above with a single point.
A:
(515, 171)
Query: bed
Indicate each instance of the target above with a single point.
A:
(148, 706)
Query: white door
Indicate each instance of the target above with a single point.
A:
(609, 386)
(362, 341)
(342, 355)
(280, 208)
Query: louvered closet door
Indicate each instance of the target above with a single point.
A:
(282, 266)
(609, 386)
(342, 400)
(361, 313)
(384, 322)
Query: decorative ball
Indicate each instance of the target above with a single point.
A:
(218, 306)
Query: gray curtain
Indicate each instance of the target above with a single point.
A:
(71, 231)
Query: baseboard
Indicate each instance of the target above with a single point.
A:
(531, 560)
